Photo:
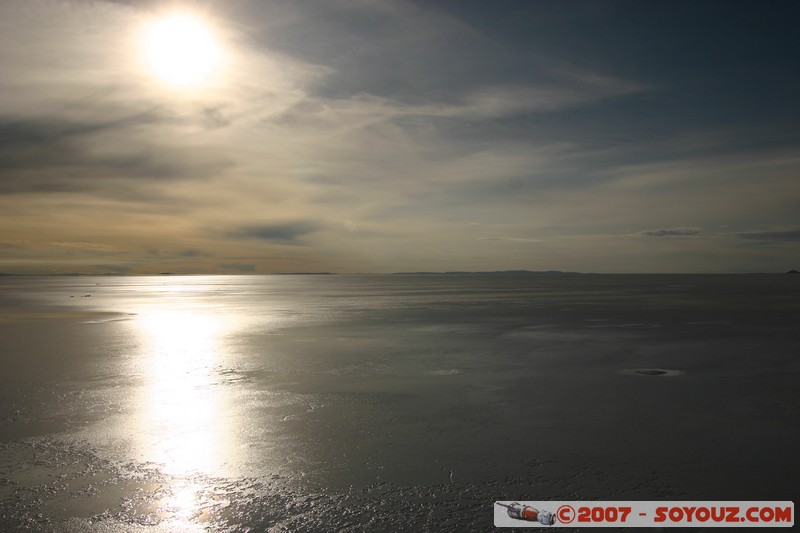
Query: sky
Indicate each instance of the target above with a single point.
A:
(361, 136)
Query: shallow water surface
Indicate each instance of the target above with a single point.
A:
(404, 403)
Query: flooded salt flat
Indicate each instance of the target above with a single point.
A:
(335, 403)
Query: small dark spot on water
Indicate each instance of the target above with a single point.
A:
(663, 372)
(650, 371)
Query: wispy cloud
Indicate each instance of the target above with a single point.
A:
(284, 233)
(193, 252)
(238, 267)
(511, 239)
(670, 232)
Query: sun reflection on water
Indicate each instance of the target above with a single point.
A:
(181, 411)
(184, 506)
(181, 401)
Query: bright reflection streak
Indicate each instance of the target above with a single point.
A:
(184, 506)
(181, 405)
(181, 423)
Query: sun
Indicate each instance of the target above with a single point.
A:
(181, 50)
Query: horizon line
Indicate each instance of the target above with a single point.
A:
(520, 272)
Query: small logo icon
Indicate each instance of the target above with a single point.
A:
(529, 514)
(565, 514)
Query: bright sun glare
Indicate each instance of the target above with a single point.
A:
(181, 50)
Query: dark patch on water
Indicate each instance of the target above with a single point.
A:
(650, 371)
(653, 372)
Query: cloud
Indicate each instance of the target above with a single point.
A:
(672, 232)
(284, 233)
(421, 56)
(238, 267)
(193, 252)
(512, 239)
(110, 157)
(215, 118)
(771, 236)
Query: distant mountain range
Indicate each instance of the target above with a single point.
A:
(490, 273)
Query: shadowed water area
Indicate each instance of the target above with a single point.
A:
(388, 403)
